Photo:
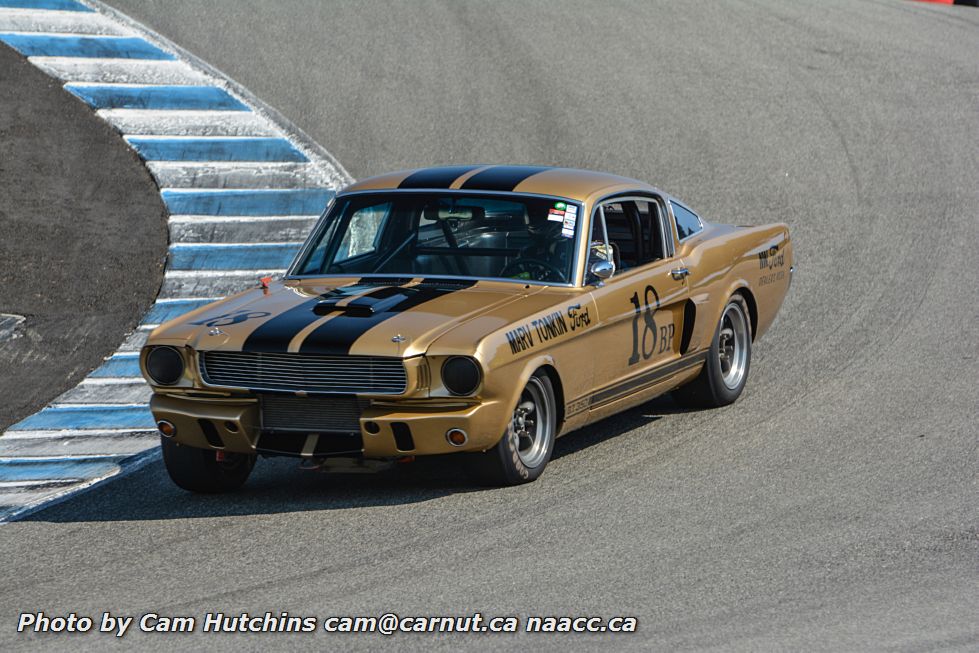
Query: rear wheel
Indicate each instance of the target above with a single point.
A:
(725, 372)
(528, 442)
(199, 470)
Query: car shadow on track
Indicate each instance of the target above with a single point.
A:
(278, 486)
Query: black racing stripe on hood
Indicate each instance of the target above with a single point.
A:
(502, 178)
(275, 335)
(337, 336)
(435, 177)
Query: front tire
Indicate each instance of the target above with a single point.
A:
(528, 442)
(199, 470)
(725, 372)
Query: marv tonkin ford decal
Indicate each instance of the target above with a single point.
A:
(546, 328)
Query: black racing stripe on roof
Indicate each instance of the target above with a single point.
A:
(503, 178)
(435, 177)
(338, 335)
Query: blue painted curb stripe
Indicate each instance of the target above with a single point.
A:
(165, 311)
(102, 47)
(87, 417)
(119, 366)
(54, 469)
(57, 5)
(216, 149)
(248, 202)
(247, 257)
(114, 96)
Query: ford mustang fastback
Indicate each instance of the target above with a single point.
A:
(477, 310)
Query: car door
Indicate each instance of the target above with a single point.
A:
(641, 305)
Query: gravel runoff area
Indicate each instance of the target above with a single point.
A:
(82, 238)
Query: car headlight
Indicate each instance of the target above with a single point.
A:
(461, 375)
(164, 365)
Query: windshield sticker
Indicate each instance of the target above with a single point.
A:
(560, 206)
(567, 230)
(570, 217)
(555, 215)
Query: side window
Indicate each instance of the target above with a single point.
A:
(687, 222)
(651, 228)
(634, 233)
(363, 232)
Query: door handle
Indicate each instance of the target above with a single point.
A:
(679, 273)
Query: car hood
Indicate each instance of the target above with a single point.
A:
(397, 317)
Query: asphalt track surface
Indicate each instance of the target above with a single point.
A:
(82, 238)
(832, 507)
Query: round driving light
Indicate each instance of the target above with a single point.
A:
(166, 428)
(461, 375)
(372, 427)
(164, 365)
(456, 437)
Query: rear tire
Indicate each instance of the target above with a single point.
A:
(528, 442)
(725, 372)
(198, 470)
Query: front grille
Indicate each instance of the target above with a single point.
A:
(311, 414)
(308, 372)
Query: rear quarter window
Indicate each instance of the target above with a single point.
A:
(687, 222)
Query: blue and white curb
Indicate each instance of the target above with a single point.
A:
(243, 187)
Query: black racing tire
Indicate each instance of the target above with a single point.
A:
(520, 457)
(717, 385)
(198, 470)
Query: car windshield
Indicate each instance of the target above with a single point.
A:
(446, 234)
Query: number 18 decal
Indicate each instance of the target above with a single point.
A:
(643, 347)
(648, 313)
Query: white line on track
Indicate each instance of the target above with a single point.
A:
(61, 433)
(54, 458)
(174, 300)
(198, 274)
(231, 245)
(96, 405)
(178, 219)
(34, 484)
(110, 380)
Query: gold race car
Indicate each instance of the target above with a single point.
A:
(482, 310)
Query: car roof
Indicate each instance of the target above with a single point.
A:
(569, 183)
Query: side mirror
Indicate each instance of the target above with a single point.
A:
(602, 269)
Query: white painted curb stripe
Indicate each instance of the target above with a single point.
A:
(80, 71)
(266, 174)
(87, 434)
(187, 122)
(65, 22)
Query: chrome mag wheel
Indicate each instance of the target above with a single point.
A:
(732, 350)
(531, 422)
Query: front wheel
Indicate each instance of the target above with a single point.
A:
(528, 442)
(199, 470)
(726, 370)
